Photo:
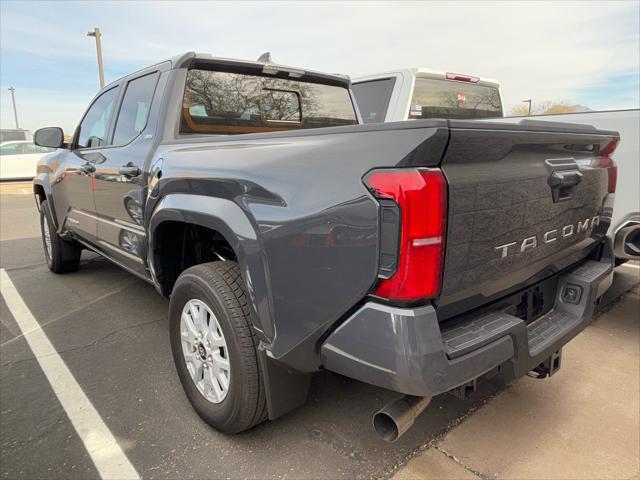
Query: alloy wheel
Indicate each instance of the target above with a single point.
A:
(47, 237)
(205, 350)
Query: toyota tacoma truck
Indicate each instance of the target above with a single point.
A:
(415, 256)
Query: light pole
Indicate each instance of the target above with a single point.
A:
(15, 110)
(529, 102)
(96, 33)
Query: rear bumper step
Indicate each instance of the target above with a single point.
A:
(408, 351)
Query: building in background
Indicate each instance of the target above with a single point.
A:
(11, 134)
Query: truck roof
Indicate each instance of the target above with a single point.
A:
(425, 73)
(193, 59)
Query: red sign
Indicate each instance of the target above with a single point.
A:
(461, 98)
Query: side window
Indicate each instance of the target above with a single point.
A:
(134, 111)
(11, 149)
(94, 126)
(33, 148)
(373, 99)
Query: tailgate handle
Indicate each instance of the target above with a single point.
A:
(562, 184)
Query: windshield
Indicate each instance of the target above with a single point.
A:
(433, 98)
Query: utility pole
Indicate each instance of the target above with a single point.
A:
(529, 102)
(96, 33)
(15, 110)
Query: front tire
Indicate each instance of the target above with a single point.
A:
(214, 347)
(61, 255)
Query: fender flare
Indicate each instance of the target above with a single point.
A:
(228, 219)
(42, 180)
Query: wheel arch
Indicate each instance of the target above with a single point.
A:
(40, 193)
(41, 187)
(228, 225)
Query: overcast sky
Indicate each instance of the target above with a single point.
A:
(583, 53)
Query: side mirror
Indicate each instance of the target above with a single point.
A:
(51, 137)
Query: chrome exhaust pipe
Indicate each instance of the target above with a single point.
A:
(396, 417)
(626, 239)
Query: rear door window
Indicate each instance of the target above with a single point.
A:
(233, 103)
(373, 99)
(134, 112)
(434, 98)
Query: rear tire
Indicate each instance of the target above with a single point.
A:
(218, 289)
(61, 255)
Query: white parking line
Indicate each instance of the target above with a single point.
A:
(107, 456)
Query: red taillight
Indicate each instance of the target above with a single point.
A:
(613, 176)
(421, 195)
(462, 78)
(610, 147)
(607, 162)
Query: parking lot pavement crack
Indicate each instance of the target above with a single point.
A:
(31, 266)
(34, 438)
(89, 345)
(439, 436)
(28, 266)
(71, 312)
(462, 464)
(8, 327)
(128, 327)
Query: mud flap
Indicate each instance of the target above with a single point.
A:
(285, 388)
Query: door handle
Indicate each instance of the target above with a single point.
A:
(129, 170)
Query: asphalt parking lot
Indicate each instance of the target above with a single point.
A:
(110, 330)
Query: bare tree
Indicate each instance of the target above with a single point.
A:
(546, 107)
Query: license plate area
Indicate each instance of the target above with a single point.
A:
(533, 302)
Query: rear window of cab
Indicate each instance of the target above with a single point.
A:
(435, 98)
(227, 103)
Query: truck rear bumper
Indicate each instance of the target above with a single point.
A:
(408, 351)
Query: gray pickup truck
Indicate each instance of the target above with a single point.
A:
(415, 256)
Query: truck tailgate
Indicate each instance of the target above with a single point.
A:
(525, 201)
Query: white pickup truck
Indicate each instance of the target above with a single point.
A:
(625, 218)
(414, 93)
